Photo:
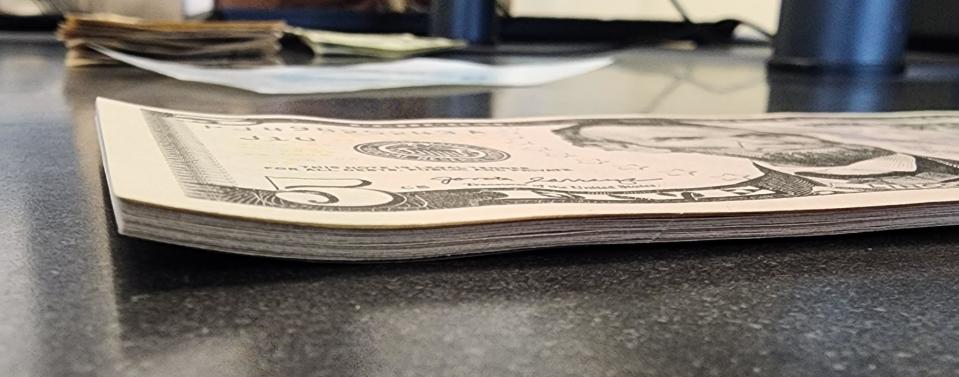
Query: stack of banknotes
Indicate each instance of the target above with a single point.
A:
(339, 189)
(225, 43)
(198, 42)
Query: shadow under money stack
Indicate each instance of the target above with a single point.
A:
(197, 42)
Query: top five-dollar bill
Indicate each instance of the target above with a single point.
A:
(438, 172)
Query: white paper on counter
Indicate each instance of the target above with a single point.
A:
(366, 76)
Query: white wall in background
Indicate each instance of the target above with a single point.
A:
(764, 13)
(152, 9)
(19, 7)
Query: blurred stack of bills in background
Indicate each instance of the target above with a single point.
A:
(196, 42)
(225, 43)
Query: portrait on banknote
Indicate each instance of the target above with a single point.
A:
(806, 161)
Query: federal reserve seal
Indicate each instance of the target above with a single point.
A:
(431, 151)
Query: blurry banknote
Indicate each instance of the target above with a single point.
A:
(389, 46)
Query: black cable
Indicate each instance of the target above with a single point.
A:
(759, 29)
(682, 11)
(502, 8)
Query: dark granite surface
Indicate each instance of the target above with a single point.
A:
(77, 299)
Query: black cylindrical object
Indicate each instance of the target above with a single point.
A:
(792, 92)
(471, 20)
(841, 35)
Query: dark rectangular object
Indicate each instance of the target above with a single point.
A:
(29, 23)
(511, 29)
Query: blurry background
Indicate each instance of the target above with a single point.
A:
(762, 12)
(931, 27)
